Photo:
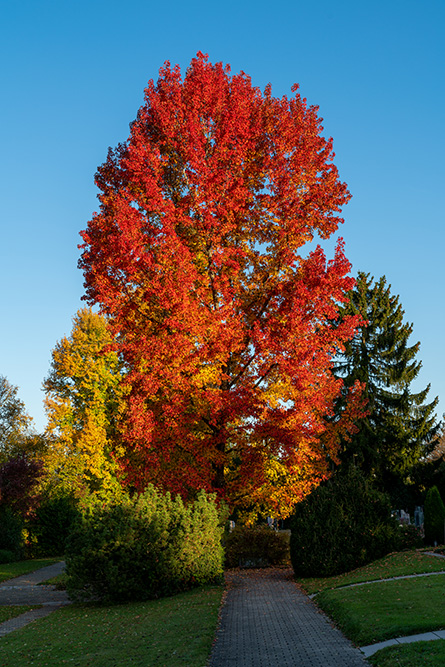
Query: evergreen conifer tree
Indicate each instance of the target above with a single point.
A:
(434, 517)
(400, 425)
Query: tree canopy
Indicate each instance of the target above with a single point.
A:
(82, 399)
(15, 423)
(223, 320)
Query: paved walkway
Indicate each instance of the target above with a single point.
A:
(267, 621)
(24, 590)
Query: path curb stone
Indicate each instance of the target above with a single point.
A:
(424, 637)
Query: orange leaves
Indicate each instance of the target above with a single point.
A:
(195, 256)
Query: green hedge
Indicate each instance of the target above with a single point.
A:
(256, 547)
(11, 531)
(52, 524)
(7, 556)
(434, 517)
(343, 524)
(145, 547)
(409, 537)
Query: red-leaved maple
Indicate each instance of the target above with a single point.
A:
(225, 327)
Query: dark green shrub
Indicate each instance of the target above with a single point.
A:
(11, 531)
(256, 547)
(145, 547)
(343, 524)
(52, 523)
(409, 537)
(7, 556)
(434, 511)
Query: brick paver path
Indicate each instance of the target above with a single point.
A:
(266, 621)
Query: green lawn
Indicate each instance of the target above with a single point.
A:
(393, 565)
(372, 613)
(59, 581)
(426, 654)
(11, 570)
(169, 632)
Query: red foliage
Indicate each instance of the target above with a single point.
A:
(19, 477)
(195, 257)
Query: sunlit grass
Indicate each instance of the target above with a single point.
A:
(372, 613)
(169, 632)
(393, 565)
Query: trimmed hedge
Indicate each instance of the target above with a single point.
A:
(7, 556)
(52, 524)
(256, 547)
(11, 531)
(145, 547)
(409, 537)
(343, 524)
(434, 517)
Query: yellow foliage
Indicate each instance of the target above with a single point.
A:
(82, 399)
(285, 483)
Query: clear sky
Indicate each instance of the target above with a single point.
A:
(72, 79)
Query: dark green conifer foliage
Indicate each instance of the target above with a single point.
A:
(399, 428)
(343, 524)
(434, 517)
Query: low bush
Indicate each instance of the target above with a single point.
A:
(52, 523)
(145, 547)
(7, 556)
(11, 531)
(343, 524)
(434, 517)
(256, 547)
(409, 537)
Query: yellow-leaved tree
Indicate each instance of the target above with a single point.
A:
(82, 401)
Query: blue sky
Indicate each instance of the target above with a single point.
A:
(73, 78)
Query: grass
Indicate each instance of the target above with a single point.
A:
(369, 614)
(11, 570)
(393, 565)
(58, 581)
(6, 613)
(427, 654)
(169, 632)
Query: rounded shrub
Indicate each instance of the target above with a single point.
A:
(11, 531)
(145, 547)
(52, 523)
(256, 547)
(434, 512)
(409, 537)
(7, 556)
(343, 524)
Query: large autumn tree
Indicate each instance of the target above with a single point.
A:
(197, 258)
